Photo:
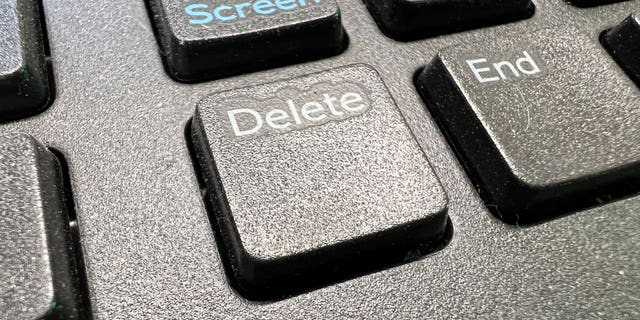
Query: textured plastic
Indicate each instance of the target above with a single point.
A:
(519, 120)
(150, 251)
(306, 204)
(204, 51)
(24, 82)
(415, 19)
(37, 271)
(623, 43)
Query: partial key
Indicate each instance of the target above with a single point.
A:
(314, 180)
(623, 42)
(24, 79)
(592, 3)
(203, 39)
(414, 19)
(545, 123)
(39, 273)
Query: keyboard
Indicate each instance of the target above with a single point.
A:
(320, 159)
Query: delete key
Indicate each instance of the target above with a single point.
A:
(314, 180)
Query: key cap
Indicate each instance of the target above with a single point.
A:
(314, 180)
(623, 42)
(24, 82)
(545, 123)
(203, 39)
(414, 19)
(37, 274)
(592, 3)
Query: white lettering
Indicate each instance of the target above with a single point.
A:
(349, 98)
(294, 113)
(277, 115)
(477, 71)
(234, 122)
(523, 65)
(532, 64)
(498, 66)
(312, 107)
(324, 108)
(329, 101)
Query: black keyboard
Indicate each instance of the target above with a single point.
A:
(320, 159)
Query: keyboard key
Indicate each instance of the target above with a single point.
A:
(24, 82)
(623, 42)
(37, 275)
(592, 3)
(414, 19)
(315, 180)
(203, 40)
(538, 122)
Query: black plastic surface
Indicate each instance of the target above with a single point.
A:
(592, 3)
(195, 53)
(519, 126)
(39, 271)
(149, 247)
(346, 221)
(623, 42)
(414, 19)
(24, 78)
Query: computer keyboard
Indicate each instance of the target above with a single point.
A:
(319, 159)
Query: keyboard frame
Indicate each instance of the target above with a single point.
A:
(148, 246)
